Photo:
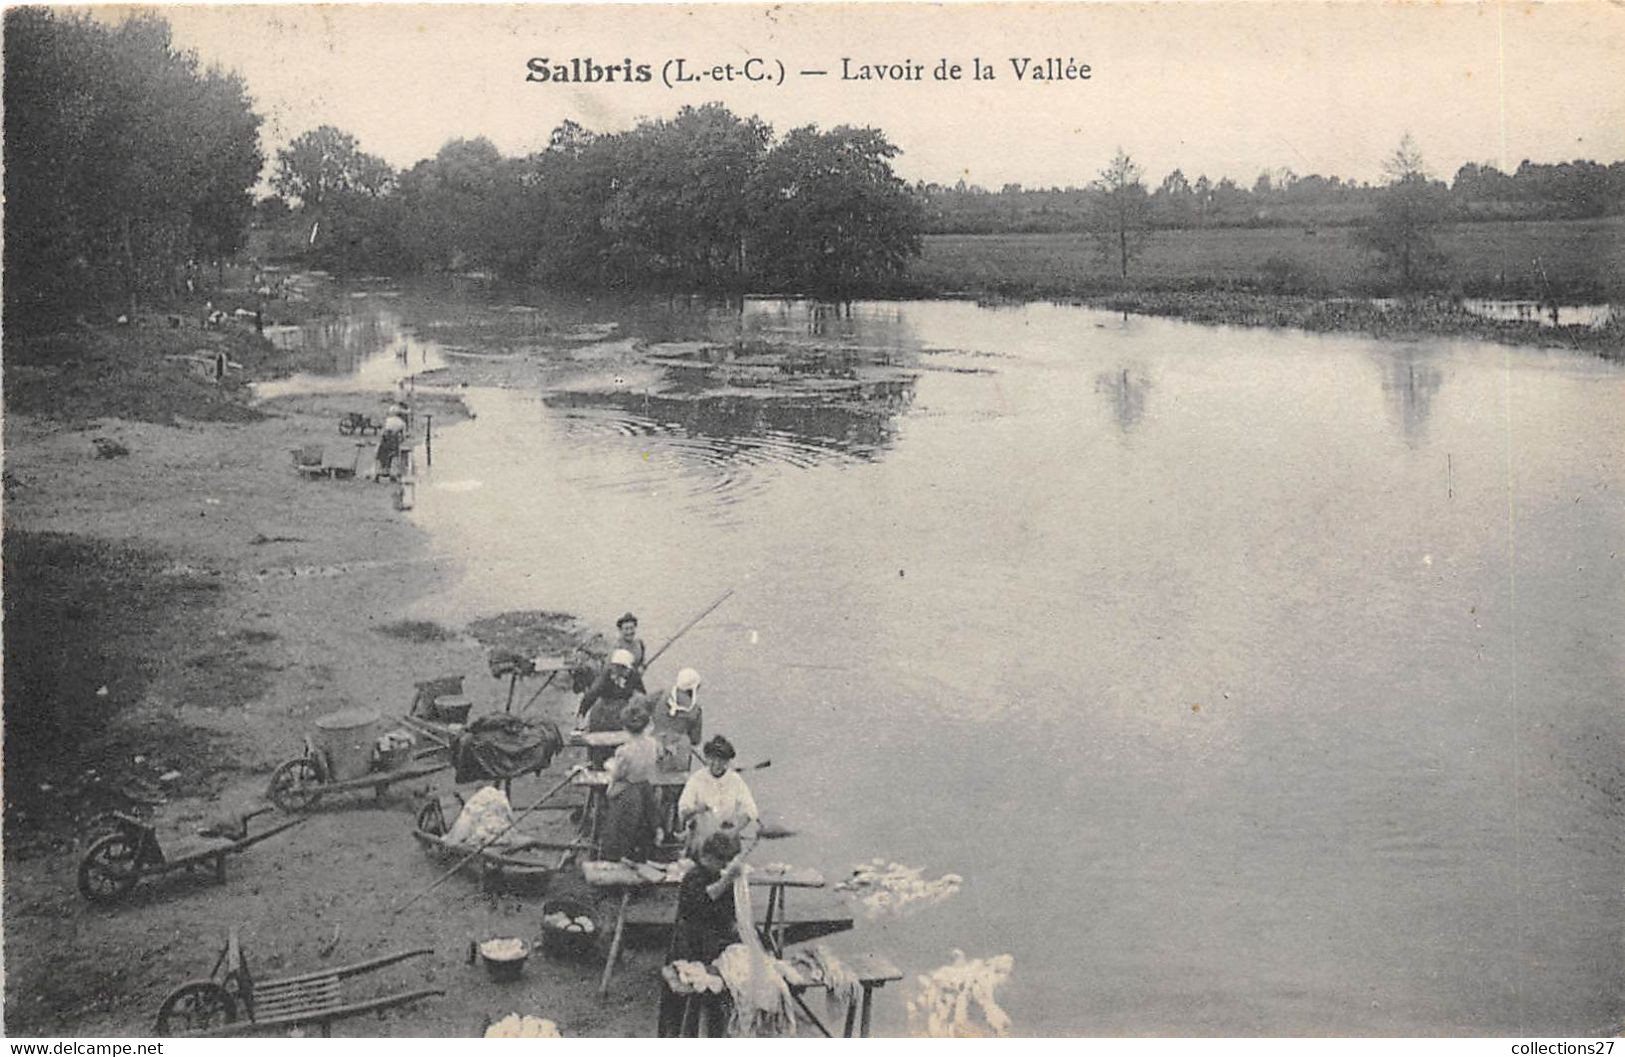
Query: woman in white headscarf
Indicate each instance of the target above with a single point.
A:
(676, 720)
(604, 701)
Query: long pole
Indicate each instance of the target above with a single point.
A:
(465, 860)
(684, 629)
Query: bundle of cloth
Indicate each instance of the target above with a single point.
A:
(819, 965)
(757, 982)
(505, 746)
(487, 817)
(514, 1026)
(948, 997)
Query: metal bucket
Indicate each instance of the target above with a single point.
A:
(346, 738)
(452, 708)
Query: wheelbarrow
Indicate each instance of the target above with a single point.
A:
(354, 422)
(231, 1002)
(348, 755)
(113, 864)
(522, 863)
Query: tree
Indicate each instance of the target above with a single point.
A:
(325, 162)
(575, 179)
(123, 160)
(831, 217)
(1400, 232)
(1121, 211)
(344, 194)
(1174, 202)
(679, 213)
(447, 203)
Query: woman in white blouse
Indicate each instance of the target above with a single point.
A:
(715, 799)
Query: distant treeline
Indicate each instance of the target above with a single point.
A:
(124, 162)
(706, 199)
(130, 170)
(1281, 198)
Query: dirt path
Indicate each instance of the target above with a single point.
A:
(292, 581)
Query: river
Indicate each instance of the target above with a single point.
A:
(1254, 682)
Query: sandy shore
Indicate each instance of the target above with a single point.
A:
(287, 585)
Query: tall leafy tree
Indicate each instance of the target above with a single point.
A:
(344, 194)
(679, 211)
(325, 162)
(1401, 230)
(831, 215)
(124, 159)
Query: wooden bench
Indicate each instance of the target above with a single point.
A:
(872, 970)
(628, 879)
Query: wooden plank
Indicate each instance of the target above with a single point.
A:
(598, 739)
(603, 873)
(609, 873)
(246, 1027)
(872, 968)
(785, 875)
(298, 991)
(195, 850)
(600, 779)
(342, 971)
(271, 992)
(652, 917)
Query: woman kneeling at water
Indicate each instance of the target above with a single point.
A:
(633, 810)
(715, 800)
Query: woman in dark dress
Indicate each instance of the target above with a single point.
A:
(705, 928)
(604, 701)
(632, 809)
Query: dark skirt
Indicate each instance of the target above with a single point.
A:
(630, 818)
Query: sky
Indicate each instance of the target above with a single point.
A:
(1220, 87)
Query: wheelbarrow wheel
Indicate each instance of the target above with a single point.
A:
(196, 1006)
(108, 869)
(295, 786)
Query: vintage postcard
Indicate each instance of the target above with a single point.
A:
(901, 520)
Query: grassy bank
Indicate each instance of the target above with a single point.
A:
(1583, 262)
(90, 627)
(1319, 281)
(1401, 320)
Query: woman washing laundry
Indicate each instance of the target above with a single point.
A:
(604, 701)
(632, 811)
(389, 442)
(675, 718)
(706, 925)
(716, 799)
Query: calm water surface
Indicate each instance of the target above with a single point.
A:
(1256, 683)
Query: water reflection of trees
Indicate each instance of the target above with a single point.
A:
(1126, 391)
(858, 421)
(1410, 384)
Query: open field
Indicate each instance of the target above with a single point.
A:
(1584, 261)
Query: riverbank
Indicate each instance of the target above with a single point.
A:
(1398, 320)
(1313, 280)
(180, 605)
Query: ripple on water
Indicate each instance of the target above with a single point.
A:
(721, 469)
